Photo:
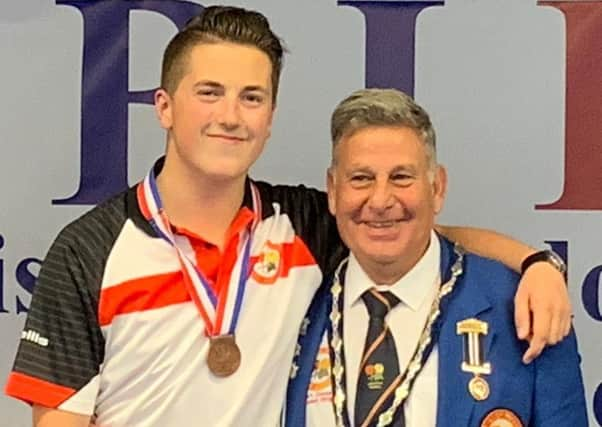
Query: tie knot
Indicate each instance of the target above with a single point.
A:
(379, 303)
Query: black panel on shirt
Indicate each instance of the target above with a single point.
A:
(64, 304)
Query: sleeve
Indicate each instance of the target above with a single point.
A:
(559, 393)
(62, 347)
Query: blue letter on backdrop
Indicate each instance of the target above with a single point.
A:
(2, 309)
(105, 92)
(390, 41)
(26, 279)
(590, 293)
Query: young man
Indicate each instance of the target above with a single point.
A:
(180, 299)
(385, 340)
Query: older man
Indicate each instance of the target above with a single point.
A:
(413, 331)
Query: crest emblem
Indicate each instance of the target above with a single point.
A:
(501, 418)
(376, 375)
(268, 265)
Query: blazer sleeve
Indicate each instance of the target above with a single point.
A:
(559, 393)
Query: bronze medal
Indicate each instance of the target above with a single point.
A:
(224, 357)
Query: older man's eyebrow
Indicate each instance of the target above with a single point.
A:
(405, 168)
(355, 168)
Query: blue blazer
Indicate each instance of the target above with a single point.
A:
(547, 392)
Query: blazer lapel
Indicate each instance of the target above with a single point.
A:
(454, 401)
(310, 336)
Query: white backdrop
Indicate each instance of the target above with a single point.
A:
(490, 72)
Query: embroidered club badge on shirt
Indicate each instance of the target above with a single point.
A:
(267, 268)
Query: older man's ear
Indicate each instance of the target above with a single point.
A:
(439, 188)
(330, 188)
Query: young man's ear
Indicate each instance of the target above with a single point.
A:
(164, 108)
(272, 113)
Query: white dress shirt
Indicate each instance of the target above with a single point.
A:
(416, 291)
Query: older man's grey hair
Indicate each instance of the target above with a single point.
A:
(381, 107)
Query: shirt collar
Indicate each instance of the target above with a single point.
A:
(244, 216)
(412, 289)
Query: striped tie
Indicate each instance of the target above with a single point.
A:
(379, 371)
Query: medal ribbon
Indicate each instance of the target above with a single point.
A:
(220, 312)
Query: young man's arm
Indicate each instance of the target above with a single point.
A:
(48, 417)
(61, 348)
(542, 292)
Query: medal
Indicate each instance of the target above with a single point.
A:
(224, 356)
(478, 388)
(473, 330)
(220, 312)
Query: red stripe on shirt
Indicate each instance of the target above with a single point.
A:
(34, 390)
(296, 254)
(145, 293)
(162, 290)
